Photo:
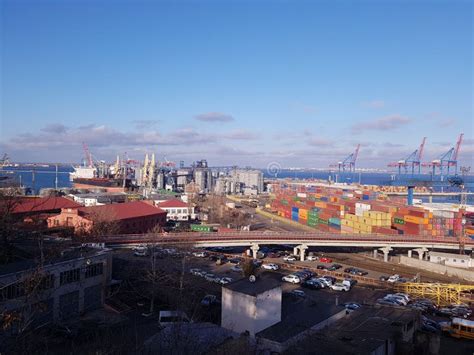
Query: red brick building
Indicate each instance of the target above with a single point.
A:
(131, 217)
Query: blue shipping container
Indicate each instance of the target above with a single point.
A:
(365, 197)
(294, 209)
(294, 217)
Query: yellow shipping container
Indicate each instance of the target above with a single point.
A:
(320, 204)
(356, 225)
(302, 213)
(417, 220)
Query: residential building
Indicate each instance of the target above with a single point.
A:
(131, 217)
(177, 210)
(75, 282)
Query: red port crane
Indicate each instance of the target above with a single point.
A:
(447, 160)
(413, 160)
(88, 155)
(348, 162)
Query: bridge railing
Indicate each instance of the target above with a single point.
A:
(291, 237)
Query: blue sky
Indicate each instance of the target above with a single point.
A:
(236, 82)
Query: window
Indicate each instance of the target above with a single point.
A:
(47, 282)
(462, 261)
(70, 276)
(173, 210)
(12, 291)
(56, 222)
(94, 270)
(454, 260)
(463, 328)
(68, 221)
(178, 210)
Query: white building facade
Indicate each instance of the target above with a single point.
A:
(250, 308)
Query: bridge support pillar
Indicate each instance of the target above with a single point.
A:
(421, 252)
(409, 253)
(302, 249)
(295, 250)
(385, 252)
(254, 248)
(376, 253)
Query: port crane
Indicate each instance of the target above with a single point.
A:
(447, 160)
(413, 160)
(348, 162)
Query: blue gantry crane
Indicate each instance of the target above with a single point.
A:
(413, 161)
(447, 160)
(348, 164)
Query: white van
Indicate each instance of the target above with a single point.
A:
(172, 317)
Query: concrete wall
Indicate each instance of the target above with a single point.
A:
(242, 312)
(438, 268)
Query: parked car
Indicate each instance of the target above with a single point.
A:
(225, 280)
(195, 271)
(384, 278)
(350, 282)
(334, 267)
(387, 302)
(141, 250)
(348, 270)
(399, 299)
(235, 260)
(329, 278)
(325, 260)
(321, 267)
(270, 267)
(352, 306)
(325, 282)
(257, 262)
(210, 277)
(339, 286)
(298, 293)
(289, 258)
(312, 258)
(236, 268)
(209, 300)
(273, 255)
(361, 272)
(291, 278)
(312, 284)
(393, 278)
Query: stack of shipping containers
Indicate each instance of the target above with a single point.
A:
(342, 210)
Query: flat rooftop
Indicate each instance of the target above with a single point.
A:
(57, 257)
(253, 288)
(363, 331)
(299, 315)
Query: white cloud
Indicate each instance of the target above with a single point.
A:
(214, 117)
(381, 124)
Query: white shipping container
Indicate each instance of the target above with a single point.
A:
(362, 206)
(301, 194)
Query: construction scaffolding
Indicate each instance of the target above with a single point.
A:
(441, 294)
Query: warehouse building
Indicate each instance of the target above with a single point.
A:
(75, 282)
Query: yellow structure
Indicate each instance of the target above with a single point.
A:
(441, 294)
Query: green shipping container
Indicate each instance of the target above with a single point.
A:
(398, 220)
(201, 228)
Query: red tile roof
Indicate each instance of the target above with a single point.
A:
(44, 204)
(127, 210)
(172, 204)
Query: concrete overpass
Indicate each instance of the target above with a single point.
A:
(300, 240)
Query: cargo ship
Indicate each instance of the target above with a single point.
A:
(84, 177)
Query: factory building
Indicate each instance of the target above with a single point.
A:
(203, 176)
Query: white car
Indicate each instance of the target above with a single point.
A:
(225, 280)
(141, 251)
(398, 299)
(312, 258)
(200, 254)
(324, 282)
(270, 266)
(289, 258)
(291, 278)
(393, 278)
(338, 286)
(195, 271)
